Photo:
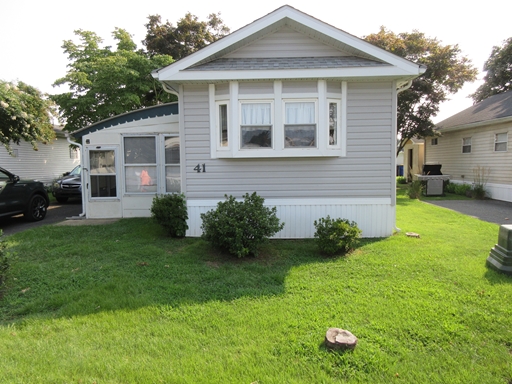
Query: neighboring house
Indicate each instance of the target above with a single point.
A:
(414, 152)
(289, 107)
(50, 161)
(477, 137)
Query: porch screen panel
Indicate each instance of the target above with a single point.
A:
(172, 165)
(102, 173)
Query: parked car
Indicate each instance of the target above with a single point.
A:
(22, 196)
(69, 185)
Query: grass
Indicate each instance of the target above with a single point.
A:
(124, 304)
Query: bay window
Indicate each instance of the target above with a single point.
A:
(278, 119)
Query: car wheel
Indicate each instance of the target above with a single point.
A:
(36, 209)
(61, 199)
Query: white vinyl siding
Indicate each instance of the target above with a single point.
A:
(285, 43)
(366, 171)
(460, 166)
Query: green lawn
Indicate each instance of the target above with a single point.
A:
(124, 304)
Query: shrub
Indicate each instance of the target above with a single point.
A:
(401, 180)
(414, 190)
(480, 177)
(240, 227)
(170, 211)
(463, 189)
(336, 235)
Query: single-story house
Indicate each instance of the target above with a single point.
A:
(288, 106)
(50, 160)
(477, 137)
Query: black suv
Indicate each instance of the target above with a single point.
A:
(22, 196)
(69, 185)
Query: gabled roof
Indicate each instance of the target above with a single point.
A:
(358, 59)
(494, 109)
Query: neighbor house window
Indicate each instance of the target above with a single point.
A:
(466, 145)
(300, 124)
(140, 164)
(172, 164)
(433, 141)
(256, 125)
(73, 153)
(500, 142)
(102, 173)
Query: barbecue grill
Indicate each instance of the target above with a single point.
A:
(433, 178)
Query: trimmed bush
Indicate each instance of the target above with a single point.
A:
(170, 211)
(401, 180)
(240, 227)
(336, 235)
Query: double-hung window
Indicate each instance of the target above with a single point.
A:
(300, 124)
(466, 145)
(140, 172)
(256, 125)
(500, 142)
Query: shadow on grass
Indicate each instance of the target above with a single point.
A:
(69, 271)
(495, 277)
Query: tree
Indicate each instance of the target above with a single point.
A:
(25, 114)
(498, 68)
(446, 73)
(104, 83)
(187, 37)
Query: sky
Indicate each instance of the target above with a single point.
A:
(32, 31)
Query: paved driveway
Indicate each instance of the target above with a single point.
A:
(494, 211)
(56, 213)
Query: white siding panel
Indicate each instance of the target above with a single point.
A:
(375, 217)
(285, 43)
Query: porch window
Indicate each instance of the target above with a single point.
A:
(223, 125)
(172, 165)
(300, 124)
(256, 125)
(103, 173)
(140, 164)
(466, 145)
(334, 122)
(500, 142)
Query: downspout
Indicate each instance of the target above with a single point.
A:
(81, 215)
(400, 89)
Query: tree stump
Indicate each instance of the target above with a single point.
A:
(338, 338)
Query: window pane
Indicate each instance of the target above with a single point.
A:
(256, 137)
(139, 150)
(501, 137)
(102, 162)
(223, 125)
(103, 186)
(140, 179)
(300, 135)
(172, 150)
(466, 149)
(300, 113)
(172, 179)
(256, 114)
(333, 123)
(500, 147)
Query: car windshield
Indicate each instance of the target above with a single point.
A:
(75, 171)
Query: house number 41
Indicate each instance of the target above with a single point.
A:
(200, 168)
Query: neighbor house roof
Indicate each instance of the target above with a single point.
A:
(494, 109)
(357, 58)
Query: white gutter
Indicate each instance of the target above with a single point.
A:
(81, 215)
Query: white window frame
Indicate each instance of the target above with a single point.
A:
(337, 129)
(466, 145)
(272, 125)
(162, 187)
(277, 98)
(496, 142)
(283, 131)
(218, 143)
